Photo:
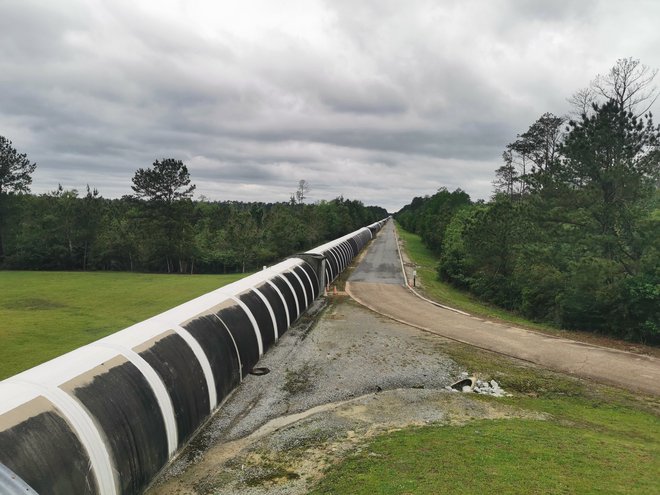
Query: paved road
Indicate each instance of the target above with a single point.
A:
(382, 293)
(382, 264)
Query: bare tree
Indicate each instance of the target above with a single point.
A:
(301, 192)
(582, 102)
(629, 83)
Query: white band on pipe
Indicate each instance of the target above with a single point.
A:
(302, 286)
(310, 280)
(203, 362)
(255, 325)
(295, 297)
(238, 354)
(158, 387)
(86, 431)
(270, 310)
(286, 306)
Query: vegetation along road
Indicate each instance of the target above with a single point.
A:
(380, 292)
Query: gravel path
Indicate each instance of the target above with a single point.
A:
(349, 353)
(350, 375)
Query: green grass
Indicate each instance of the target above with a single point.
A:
(46, 314)
(595, 439)
(500, 456)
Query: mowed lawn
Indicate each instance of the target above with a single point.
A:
(588, 439)
(46, 314)
(499, 456)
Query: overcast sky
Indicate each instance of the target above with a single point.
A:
(375, 100)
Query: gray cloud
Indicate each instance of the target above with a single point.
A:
(373, 100)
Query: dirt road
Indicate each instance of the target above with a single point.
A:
(376, 285)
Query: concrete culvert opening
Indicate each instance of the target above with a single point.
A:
(260, 371)
(461, 385)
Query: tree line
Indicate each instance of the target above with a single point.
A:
(571, 235)
(158, 228)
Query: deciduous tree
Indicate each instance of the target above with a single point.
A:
(536, 154)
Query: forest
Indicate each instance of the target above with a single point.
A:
(158, 228)
(571, 235)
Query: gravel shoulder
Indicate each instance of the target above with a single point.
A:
(331, 386)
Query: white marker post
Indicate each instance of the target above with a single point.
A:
(414, 278)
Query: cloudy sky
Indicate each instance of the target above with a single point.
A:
(377, 100)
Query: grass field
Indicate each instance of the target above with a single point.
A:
(498, 456)
(594, 438)
(45, 314)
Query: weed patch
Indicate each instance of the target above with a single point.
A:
(300, 380)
